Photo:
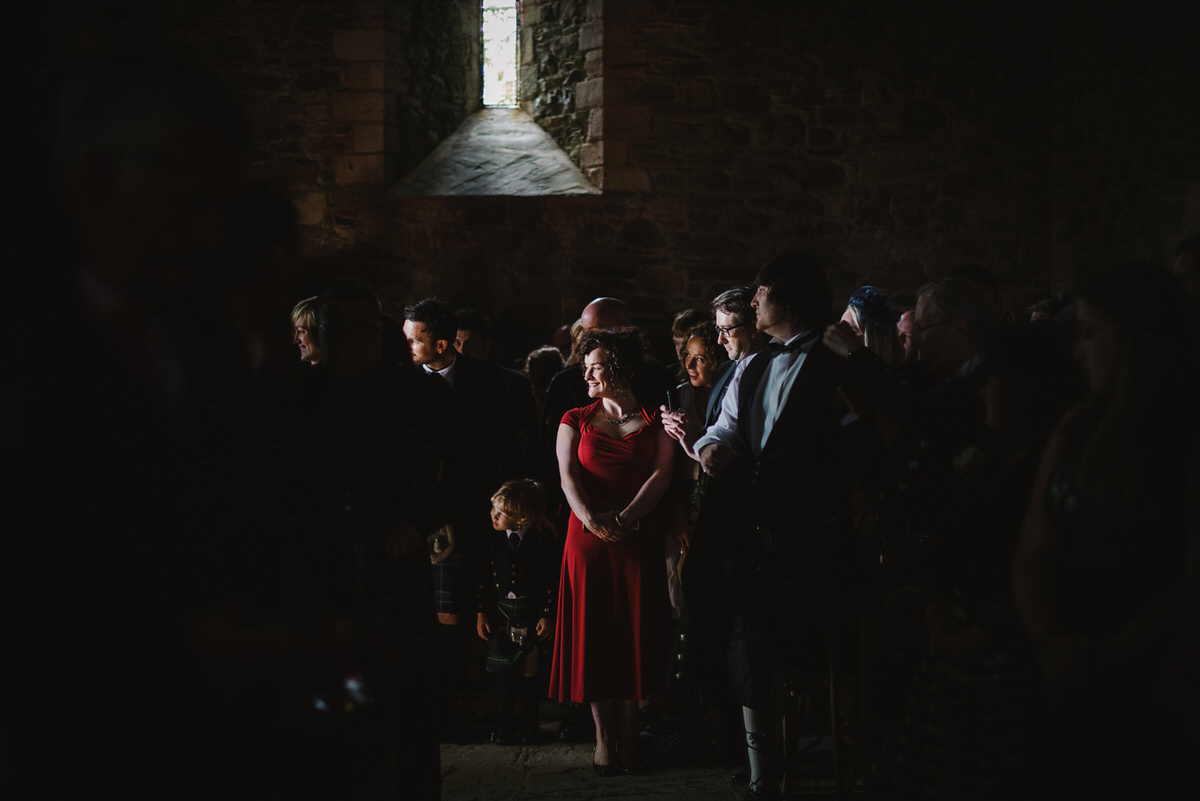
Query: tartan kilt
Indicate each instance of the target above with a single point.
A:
(505, 657)
(453, 588)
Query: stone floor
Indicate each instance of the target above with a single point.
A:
(480, 771)
(497, 151)
(562, 770)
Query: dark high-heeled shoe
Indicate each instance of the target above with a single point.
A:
(606, 771)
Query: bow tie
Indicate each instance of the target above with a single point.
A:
(795, 346)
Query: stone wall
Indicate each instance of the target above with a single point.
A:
(438, 81)
(896, 140)
(552, 65)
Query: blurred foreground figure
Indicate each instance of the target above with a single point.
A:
(1106, 571)
(132, 424)
(361, 442)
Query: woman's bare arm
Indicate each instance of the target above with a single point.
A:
(567, 449)
(652, 490)
(1031, 579)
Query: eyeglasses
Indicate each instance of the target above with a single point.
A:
(726, 329)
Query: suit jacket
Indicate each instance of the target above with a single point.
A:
(795, 484)
(720, 384)
(495, 418)
(532, 572)
(490, 439)
(790, 498)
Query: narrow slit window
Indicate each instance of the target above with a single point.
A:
(499, 52)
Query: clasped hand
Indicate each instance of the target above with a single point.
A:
(605, 526)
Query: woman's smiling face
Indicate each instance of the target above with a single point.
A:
(597, 373)
(700, 369)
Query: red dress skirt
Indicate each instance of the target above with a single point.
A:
(612, 637)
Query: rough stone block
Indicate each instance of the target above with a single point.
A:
(745, 98)
(593, 63)
(626, 179)
(316, 112)
(358, 44)
(528, 51)
(595, 130)
(310, 208)
(359, 169)
(591, 154)
(629, 123)
(822, 137)
(846, 115)
(589, 94)
(368, 138)
(328, 145)
(365, 75)
(370, 10)
(922, 115)
(625, 56)
(358, 106)
(591, 36)
(652, 93)
(616, 153)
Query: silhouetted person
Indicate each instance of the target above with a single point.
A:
(132, 423)
(366, 497)
(1107, 566)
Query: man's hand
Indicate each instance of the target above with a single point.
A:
(545, 627)
(841, 339)
(482, 626)
(716, 460)
(446, 536)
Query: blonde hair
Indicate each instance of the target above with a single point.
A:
(304, 314)
(522, 499)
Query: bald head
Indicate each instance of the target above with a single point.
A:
(606, 313)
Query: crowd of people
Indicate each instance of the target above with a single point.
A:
(272, 568)
(988, 496)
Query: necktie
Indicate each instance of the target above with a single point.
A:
(794, 346)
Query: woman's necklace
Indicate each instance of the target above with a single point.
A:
(620, 421)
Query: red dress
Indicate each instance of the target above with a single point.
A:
(612, 638)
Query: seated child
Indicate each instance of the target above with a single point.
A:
(516, 603)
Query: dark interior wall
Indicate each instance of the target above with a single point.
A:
(896, 140)
(1127, 133)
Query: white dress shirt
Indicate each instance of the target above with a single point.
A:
(768, 403)
(446, 372)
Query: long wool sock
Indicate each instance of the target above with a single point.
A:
(762, 746)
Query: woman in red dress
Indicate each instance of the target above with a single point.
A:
(613, 613)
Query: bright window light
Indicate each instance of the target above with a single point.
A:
(499, 52)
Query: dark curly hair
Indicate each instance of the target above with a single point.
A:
(707, 333)
(625, 352)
